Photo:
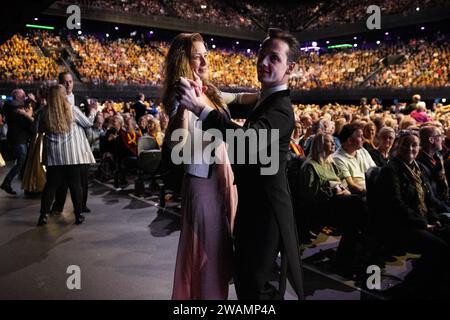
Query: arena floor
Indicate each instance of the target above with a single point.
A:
(126, 249)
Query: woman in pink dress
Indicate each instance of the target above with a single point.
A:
(209, 197)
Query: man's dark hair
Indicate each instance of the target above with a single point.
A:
(427, 132)
(292, 42)
(348, 130)
(61, 76)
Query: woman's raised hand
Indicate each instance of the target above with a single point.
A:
(188, 93)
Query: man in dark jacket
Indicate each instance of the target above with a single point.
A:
(20, 122)
(265, 223)
(139, 107)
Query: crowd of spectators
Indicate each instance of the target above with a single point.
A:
(122, 62)
(144, 7)
(206, 11)
(21, 61)
(253, 14)
(134, 62)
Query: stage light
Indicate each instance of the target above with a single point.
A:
(151, 32)
(107, 35)
(345, 45)
(203, 6)
(36, 19)
(212, 39)
(116, 28)
(444, 100)
(79, 32)
(35, 26)
(386, 33)
(248, 50)
(417, 9)
(355, 38)
(378, 41)
(314, 44)
(327, 42)
(237, 42)
(422, 28)
(3, 97)
(213, 46)
(355, 45)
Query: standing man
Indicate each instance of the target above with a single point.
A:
(265, 223)
(20, 123)
(139, 107)
(65, 78)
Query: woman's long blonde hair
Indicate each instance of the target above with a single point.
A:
(177, 64)
(58, 116)
(317, 152)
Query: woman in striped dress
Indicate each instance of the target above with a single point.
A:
(66, 149)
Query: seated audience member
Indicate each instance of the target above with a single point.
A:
(406, 123)
(411, 221)
(295, 150)
(95, 133)
(330, 127)
(328, 202)
(381, 154)
(121, 145)
(431, 161)
(369, 133)
(352, 159)
(317, 127)
(143, 126)
(420, 113)
(155, 131)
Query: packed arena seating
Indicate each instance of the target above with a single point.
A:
(350, 11)
(146, 7)
(210, 11)
(22, 61)
(131, 62)
(118, 62)
(254, 14)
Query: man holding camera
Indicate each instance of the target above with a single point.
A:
(20, 121)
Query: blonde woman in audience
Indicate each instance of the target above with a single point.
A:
(329, 202)
(369, 132)
(154, 130)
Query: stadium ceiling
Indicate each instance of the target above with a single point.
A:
(18, 12)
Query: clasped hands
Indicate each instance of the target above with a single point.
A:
(189, 94)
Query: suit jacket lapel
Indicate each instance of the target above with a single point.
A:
(257, 112)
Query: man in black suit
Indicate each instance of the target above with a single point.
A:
(139, 107)
(265, 223)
